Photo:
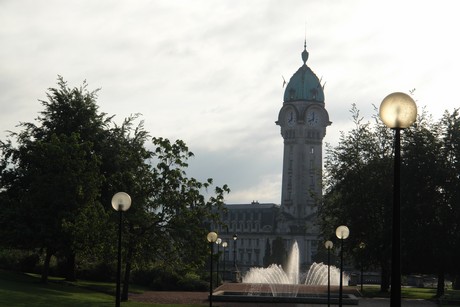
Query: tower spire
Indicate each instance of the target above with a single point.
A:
(305, 52)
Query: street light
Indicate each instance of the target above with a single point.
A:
(235, 237)
(362, 246)
(218, 241)
(212, 238)
(121, 201)
(224, 245)
(342, 232)
(397, 111)
(328, 244)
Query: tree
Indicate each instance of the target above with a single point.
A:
(357, 181)
(169, 223)
(421, 201)
(450, 190)
(279, 252)
(267, 254)
(52, 178)
(359, 194)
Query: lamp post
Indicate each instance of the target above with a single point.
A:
(224, 245)
(218, 242)
(235, 237)
(121, 202)
(397, 111)
(342, 232)
(212, 238)
(362, 246)
(328, 244)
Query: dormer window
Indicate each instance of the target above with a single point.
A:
(291, 93)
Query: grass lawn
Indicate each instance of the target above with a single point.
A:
(451, 297)
(412, 293)
(17, 289)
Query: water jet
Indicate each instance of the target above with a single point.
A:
(276, 284)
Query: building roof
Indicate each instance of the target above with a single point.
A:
(304, 84)
(252, 205)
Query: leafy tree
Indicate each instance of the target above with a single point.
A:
(450, 190)
(52, 177)
(165, 223)
(359, 194)
(358, 180)
(168, 225)
(421, 200)
(267, 254)
(73, 160)
(279, 252)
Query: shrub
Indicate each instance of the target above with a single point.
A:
(98, 272)
(19, 260)
(192, 282)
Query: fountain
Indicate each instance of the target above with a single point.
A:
(275, 274)
(276, 284)
(317, 275)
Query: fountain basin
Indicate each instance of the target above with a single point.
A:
(306, 294)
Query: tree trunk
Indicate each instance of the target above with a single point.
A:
(441, 284)
(385, 281)
(129, 256)
(456, 282)
(46, 265)
(71, 274)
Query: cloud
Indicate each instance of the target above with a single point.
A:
(210, 72)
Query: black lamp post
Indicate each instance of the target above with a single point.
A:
(328, 245)
(342, 232)
(397, 111)
(212, 238)
(218, 242)
(224, 245)
(235, 237)
(362, 246)
(121, 201)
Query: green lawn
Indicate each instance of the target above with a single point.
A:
(413, 293)
(18, 289)
(451, 297)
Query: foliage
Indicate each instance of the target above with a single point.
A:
(58, 176)
(51, 180)
(359, 180)
(278, 253)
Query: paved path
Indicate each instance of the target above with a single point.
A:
(171, 297)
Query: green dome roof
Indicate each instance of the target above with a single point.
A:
(304, 84)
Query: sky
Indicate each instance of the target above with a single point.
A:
(210, 72)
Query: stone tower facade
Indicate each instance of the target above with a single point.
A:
(303, 120)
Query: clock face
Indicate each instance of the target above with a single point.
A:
(312, 118)
(290, 118)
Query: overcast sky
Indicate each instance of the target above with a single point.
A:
(209, 72)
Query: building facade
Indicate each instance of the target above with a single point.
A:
(303, 120)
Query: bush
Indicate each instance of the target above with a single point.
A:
(192, 282)
(156, 278)
(19, 260)
(29, 263)
(162, 279)
(97, 272)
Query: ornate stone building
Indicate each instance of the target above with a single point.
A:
(303, 120)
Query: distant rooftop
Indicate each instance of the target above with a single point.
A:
(252, 205)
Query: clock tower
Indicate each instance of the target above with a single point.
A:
(303, 120)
